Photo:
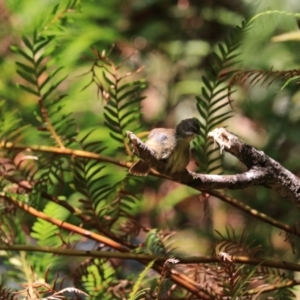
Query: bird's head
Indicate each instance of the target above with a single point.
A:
(188, 128)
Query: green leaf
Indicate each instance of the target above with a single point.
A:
(108, 80)
(205, 94)
(53, 88)
(131, 120)
(112, 127)
(128, 113)
(39, 60)
(27, 77)
(41, 44)
(41, 71)
(203, 113)
(128, 93)
(111, 112)
(116, 137)
(218, 91)
(217, 117)
(218, 122)
(219, 107)
(211, 170)
(111, 121)
(29, 90)
(27, 43)
(213, 160)
(222, 50)
(133, 101)
(217, 59)
(207, 84)
(232, 56)
(141, 84)
(212, 151)
(51, 76)
(23, 53)
(25, 68)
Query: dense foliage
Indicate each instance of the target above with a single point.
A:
(76, 76)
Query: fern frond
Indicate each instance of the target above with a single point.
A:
(17, 168)
(263, 77)
(159, 242)
(96, 276)
(234, 245)
(125, 199)
(52, 172)
(45, 233)
(207, 277)
(41, 79)
(6, 293)
(212, 103)
(235, 279)
(10, 128)
(136, 293)
(105, 198)
(122, 98)
(272, 281)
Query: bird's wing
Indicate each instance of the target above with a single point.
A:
(162, 141)
(140, 168)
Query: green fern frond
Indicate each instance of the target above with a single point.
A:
(212, 104)
(107, 202)
(154, 243)
(45, 233)
(122, 109)
(136, 293)
(90, 179)
(105, 197)
(123, 201)
(42, 78)
(52, 172)
(10, 128)
(96, 277)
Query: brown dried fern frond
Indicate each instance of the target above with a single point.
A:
(6, 293)
(263, 77)
(232, 244)
(207, 277)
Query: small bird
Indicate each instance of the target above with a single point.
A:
(171, 147)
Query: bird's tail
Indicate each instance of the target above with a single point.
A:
(140, 168)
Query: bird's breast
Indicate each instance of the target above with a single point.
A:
(173, 151)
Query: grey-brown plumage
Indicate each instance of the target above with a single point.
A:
(170, 146)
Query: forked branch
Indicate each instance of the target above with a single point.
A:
(262, 170)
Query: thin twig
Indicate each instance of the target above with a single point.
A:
(284, 265)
